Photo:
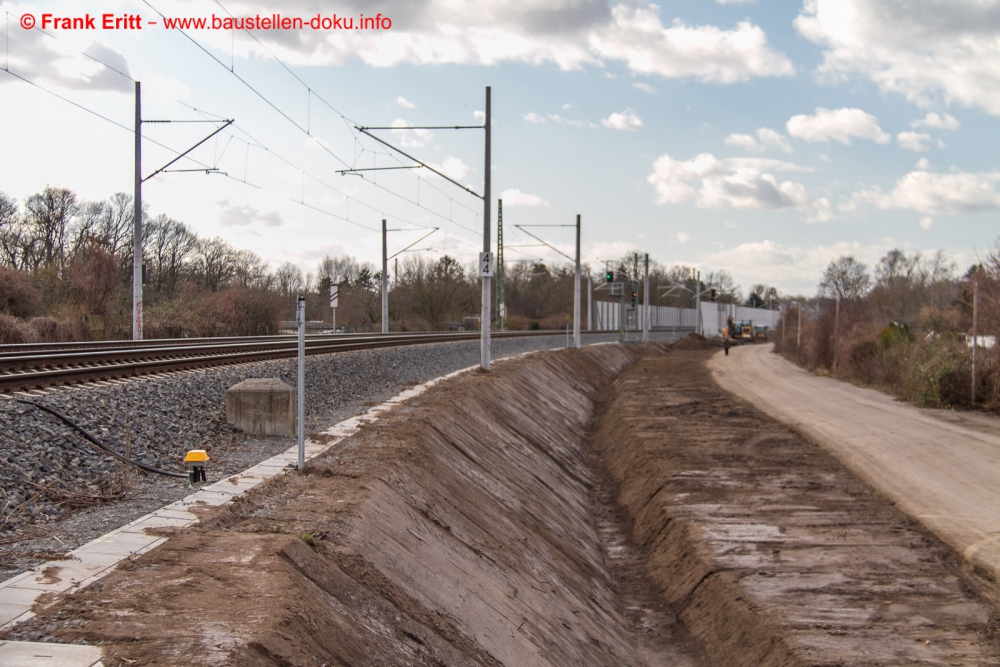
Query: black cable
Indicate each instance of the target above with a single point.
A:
(97, 443)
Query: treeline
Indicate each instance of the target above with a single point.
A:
(66, 273)
(905, 326)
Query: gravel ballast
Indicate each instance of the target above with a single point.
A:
(162, 417)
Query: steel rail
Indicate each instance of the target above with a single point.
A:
(23, 372)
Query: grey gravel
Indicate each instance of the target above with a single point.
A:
(167, 415)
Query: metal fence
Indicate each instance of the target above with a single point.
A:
(607, 314)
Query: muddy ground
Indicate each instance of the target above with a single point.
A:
(574, 508)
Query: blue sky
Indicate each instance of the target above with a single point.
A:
(761, 138)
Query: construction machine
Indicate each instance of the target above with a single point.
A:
(743, 331)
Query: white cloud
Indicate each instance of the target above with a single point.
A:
(935, 194)
(937, 122)
(926, 222)
(64, 62)
(243, 216)
(792, 269)
(683, 237)
(571, 34)
(626, 121)
(411, 138)
(405, 103)
(452, 167)
(914, 141)
(836, 125)
(644, 87)
(710, 182)
(479, 115)
(708, 53)
(766, 138)
(923, 164)
(514, 197)
(556, 119)
(929, 51)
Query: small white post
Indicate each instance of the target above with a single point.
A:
(385, 282)
(645, 300)
(300, 319)
(576, 288)
(836, 334)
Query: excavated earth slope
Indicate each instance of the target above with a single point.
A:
(573, 508)
(464, 529)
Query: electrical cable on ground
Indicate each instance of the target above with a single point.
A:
(97, 443)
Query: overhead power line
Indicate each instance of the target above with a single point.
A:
(307, 130)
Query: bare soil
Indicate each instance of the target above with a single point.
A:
(573, 508)
(464, 529)
(772, 552)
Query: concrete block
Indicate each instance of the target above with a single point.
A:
(262, 406)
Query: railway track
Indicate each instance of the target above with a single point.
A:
(38, 366)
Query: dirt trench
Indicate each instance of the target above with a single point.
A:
(771, 552)
(470, 527)
(593, 507)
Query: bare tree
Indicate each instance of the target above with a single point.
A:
(845, 277)
(48, 215)
(899, 283)
(725, 286)
(289, 279)
(213, 263)
(249, 270)
(169, 244)
(15, 240)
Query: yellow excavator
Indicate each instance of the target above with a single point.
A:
(744, 331)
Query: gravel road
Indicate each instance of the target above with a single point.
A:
(941, 467)
(164, 416)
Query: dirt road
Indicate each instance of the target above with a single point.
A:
(941, 467)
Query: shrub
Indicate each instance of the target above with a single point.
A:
(72, 330)
(18, 296)
(13, 331)
(940, 376)
(862, 361)
(44, 329)
(895, 334)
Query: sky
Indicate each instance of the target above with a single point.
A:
(761, 138)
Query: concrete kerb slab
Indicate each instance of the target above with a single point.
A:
(36, 654)
(97, 558)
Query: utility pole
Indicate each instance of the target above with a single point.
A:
(484, 340)
(137, 223)
(590, 303)
(137, 272)
(501, 296)
(576, 289)
(975, 332)
(385, 280)
(645, 302)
